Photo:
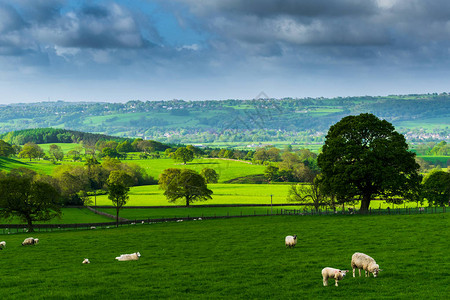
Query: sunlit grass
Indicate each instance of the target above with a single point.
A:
(241, 258)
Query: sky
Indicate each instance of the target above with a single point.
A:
(119, 50)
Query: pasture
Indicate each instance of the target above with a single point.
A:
(227, 169)
(241, 258)
(151, 195)
(71, 215)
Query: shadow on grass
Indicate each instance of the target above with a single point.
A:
(9, 163)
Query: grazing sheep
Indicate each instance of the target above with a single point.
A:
(30, 241)
(290, 241)
(86, 261)
(2, 245)
(125, 257)
(365, 262)
(332, 273)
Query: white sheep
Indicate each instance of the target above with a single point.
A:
(30, 241)
(290, 241)
(126, 257)
(365, 262)
(332, 273)
(86, 261)
(2, 245)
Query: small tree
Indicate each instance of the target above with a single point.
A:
(6, 149)
(184, 184)
(210, 175)
(436, 188)
(56, 152)
(31, 150)
(75, 155)
(28, 200)
(118, 187)
(96, 176)
(183, 154)
(307, 193)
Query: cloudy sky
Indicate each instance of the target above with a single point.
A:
(118, 50)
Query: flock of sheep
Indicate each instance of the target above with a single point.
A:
(33, 241)
(360, 261)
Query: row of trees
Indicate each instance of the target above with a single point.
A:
(432, 148)
(33, 197)
(36, 197)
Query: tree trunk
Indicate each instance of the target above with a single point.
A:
(365, 202)
(30, 225)
(117, 216)
(187, 201)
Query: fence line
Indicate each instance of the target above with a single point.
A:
(105, 214)
(21, 228)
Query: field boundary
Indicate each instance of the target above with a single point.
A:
(21, 228)
(105, 214)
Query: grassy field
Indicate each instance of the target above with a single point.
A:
(69, 216)
(227, 169)
(65, 147)
(39, 166)
(151, 195)
(233, 259)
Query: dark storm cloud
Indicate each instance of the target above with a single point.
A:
(37, 25)
(378, 29)
(267, 8)
(39, 11)
(99, 27)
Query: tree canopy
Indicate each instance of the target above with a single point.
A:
(31, 150)
(27, 199)
(436, 188)
(118, 187)
(6, 149)
(363, 157)
(210, 175)
(183, 155)
(184, 184)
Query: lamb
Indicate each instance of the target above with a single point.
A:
(30, 241)
(126, 257)
(290, 241)
(2, 245)
(332, 273)
(86, 261)
(363, 261)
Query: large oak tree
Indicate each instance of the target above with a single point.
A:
(364, 157)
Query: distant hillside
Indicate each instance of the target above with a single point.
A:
(419, 117)
(52, 135)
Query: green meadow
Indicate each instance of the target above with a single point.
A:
(68, 216)
(151, 195)
(242, 258)
(226, 168)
